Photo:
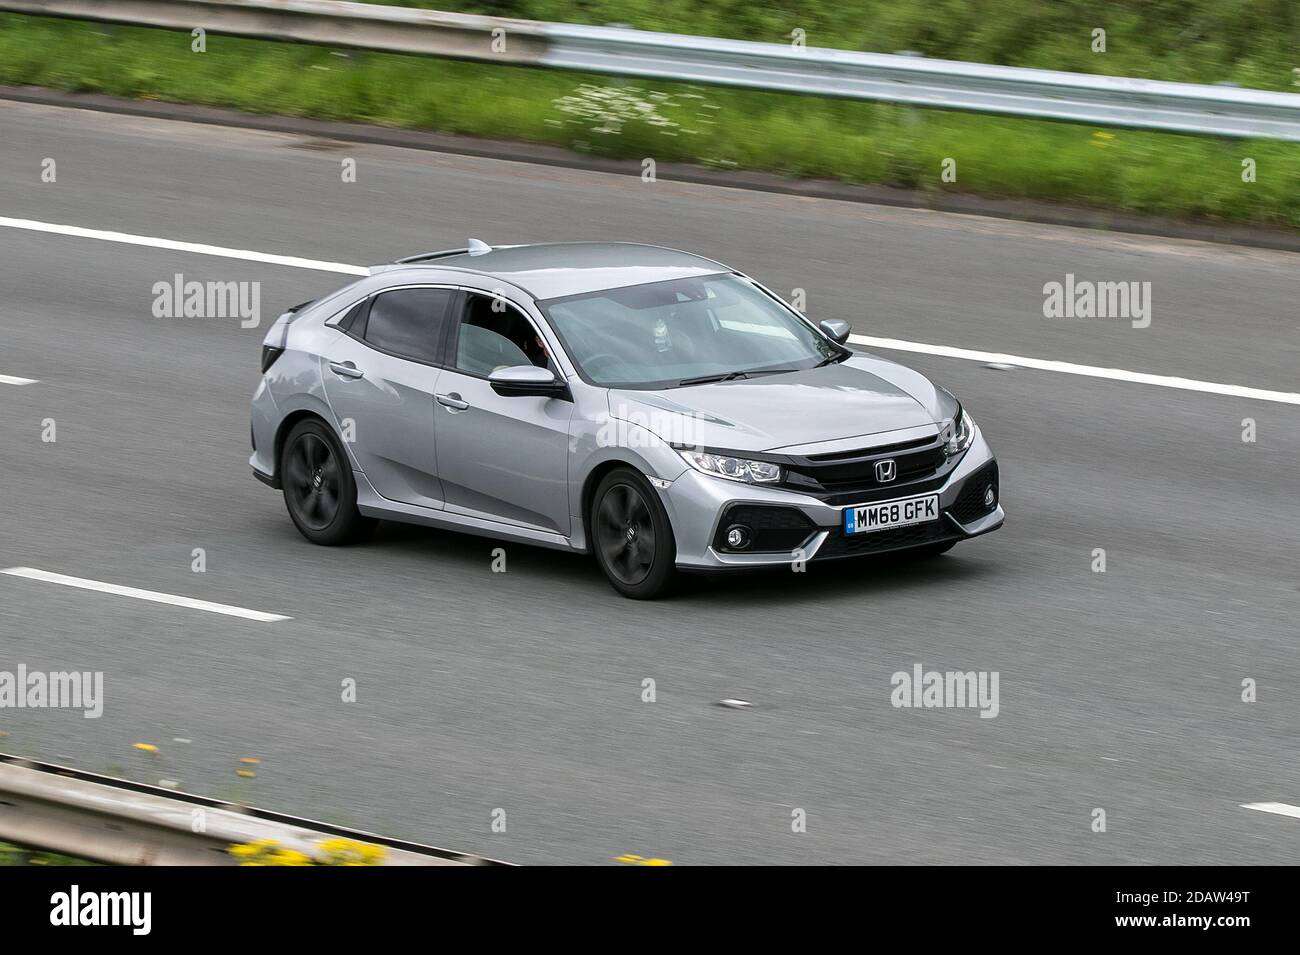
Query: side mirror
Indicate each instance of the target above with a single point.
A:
(524, 380)
(837, 330)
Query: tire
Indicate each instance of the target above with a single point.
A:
(631, 536)
(319, 491)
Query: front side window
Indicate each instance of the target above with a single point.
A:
(684, 331)
(496, 337)
(408, 322)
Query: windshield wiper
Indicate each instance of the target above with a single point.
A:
(711, 379)
(754, 372)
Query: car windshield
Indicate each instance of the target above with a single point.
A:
(683, 332)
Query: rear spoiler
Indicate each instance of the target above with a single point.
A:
(415, 260)
(276, 336)
(475, 247)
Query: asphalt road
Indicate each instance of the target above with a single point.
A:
(522, 691)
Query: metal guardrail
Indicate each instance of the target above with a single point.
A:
(915, 81)
(102, 819)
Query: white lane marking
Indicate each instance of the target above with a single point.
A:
(1089, 371)
(893, 344)
(31, 573)
(11, 380)
(1281, 808)
(176, 246)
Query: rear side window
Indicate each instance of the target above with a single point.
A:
(348, 320)
(409, 322)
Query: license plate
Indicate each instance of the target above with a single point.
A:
(890, 514)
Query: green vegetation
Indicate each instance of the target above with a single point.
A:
(1250, 42)
(16, 855)
(1152, 173)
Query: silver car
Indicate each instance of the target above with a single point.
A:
(653, 407)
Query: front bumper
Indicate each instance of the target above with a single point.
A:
(698, 503)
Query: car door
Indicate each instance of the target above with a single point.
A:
(380, 376)
(500, 458)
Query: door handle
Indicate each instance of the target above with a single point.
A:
(346, 369)
(452, 402)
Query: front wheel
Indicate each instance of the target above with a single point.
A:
(319, 491)
(631, 536)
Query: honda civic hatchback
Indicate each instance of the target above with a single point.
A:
(654, 408)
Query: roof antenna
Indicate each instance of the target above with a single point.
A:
(478, 247)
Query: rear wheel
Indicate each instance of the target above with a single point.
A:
(319, 491)
(631, 536)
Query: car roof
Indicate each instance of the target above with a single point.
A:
(556, 269)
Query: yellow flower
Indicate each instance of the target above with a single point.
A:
(349, 852)
(263, 852)
(256, 852)
(290, 857)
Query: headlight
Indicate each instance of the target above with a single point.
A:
(960, 433)
(733, 469)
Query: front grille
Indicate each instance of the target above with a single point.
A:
(862, 471)
(839, 456)
(839, 544)
(969, 505)
(848, 477)
(883, 492)
(774, 528)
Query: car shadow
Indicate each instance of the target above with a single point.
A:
(473, 552)
(885, 573)
(882, 573)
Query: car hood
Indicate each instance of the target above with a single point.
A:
(862, 396)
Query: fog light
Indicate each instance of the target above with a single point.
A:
(989, 497)
(738, 536)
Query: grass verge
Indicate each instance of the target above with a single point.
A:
(1251, 43)
(1151, 173)
(17, 855)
